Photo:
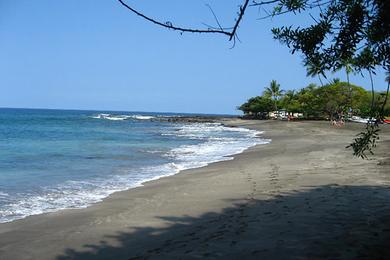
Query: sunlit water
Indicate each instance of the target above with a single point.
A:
(56, 159)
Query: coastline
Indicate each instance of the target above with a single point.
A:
(218, 204)
(216, 146)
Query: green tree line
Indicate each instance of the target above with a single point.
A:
(336, 98)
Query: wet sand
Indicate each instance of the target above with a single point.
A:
(303, 196)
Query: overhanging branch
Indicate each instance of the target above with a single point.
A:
(231, 34)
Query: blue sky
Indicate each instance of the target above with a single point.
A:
(89, 54)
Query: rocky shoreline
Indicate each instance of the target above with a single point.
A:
(195, 119)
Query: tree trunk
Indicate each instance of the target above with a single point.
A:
(319, 77)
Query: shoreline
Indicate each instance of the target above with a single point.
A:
(180, 204)
(186, 120)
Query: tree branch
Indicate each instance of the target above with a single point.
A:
(231, 34)
(242, 12)
(169, 25)
(215, 17)
(256, 3)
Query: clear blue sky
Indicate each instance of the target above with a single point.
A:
(89, 54)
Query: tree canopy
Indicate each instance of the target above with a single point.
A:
(345, 31)
(336, 98)
(256, 105)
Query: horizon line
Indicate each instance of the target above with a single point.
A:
(127, 111)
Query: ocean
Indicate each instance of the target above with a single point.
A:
(58, 159)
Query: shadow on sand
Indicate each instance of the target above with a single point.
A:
(328, 222)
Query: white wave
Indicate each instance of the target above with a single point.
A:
(209, 130)
(219, 144)
(101, 116)
(80, 194)
(3, 194)
(122, 117)
(111, 117)
(117, 118)
(141, 117)
(216, 148)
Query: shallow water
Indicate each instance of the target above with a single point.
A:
(57, 159)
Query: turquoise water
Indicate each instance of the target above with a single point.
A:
(57, 159)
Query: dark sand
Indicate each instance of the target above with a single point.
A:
(304, 196)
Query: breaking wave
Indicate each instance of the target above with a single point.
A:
(122, 117)
(215, 143)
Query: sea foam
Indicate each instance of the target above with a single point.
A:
(215, 143)
(121, 117)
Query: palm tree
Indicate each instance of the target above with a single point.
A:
(347, 64)
(313, 70)
(348, 70)
(274, 92)
(290, 94)
(288, 98)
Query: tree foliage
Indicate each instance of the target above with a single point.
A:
(365, 141)
(341, 97)
(337, 98)
(256, 105)
(344, 30)
(274, 92)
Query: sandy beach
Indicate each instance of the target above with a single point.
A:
(303, 196)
